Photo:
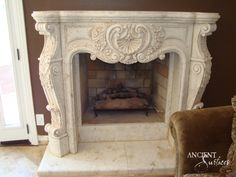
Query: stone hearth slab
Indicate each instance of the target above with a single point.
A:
(139, 158)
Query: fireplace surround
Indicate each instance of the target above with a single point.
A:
(125, 37)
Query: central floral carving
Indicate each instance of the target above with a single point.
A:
(128, 43)
(127, 39)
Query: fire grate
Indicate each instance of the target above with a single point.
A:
(122, 98)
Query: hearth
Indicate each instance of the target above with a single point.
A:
(159, 40)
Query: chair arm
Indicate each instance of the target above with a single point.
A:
(202, 130)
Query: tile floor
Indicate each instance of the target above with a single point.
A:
(20, 161)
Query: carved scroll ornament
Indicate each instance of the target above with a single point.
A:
(47, 69)
(128, 43)
(200, 64)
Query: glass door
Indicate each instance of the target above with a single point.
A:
(13, 122)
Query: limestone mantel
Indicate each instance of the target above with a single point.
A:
(120, 36)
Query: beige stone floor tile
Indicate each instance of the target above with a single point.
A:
(20, 161)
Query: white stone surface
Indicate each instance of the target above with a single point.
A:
(112, 159)
(126, 37)
(123, 132)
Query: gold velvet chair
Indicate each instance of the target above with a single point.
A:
(201, 137)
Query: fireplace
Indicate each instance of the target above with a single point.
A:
(161, 54)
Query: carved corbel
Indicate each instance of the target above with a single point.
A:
(48, 68)
(50, 72)
(200, 69)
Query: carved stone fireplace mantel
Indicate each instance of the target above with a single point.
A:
(126, 37)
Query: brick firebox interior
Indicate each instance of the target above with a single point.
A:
(96, 76)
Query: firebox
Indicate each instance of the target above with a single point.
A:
(121, 93)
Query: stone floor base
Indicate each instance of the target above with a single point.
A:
(113, 159)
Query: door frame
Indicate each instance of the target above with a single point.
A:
(16, 23)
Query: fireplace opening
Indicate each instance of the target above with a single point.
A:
(119, 93)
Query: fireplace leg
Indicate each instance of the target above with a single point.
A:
(59, 146)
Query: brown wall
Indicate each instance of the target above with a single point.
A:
(221, 45)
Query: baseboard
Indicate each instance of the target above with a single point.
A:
(43, 139)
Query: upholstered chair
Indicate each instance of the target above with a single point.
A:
(204, 141)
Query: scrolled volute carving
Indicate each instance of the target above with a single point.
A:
(128, 43)
(55, 132)
(54, 128)
(207, 29)
(45, 28)
(197, 67)
(204, 68)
